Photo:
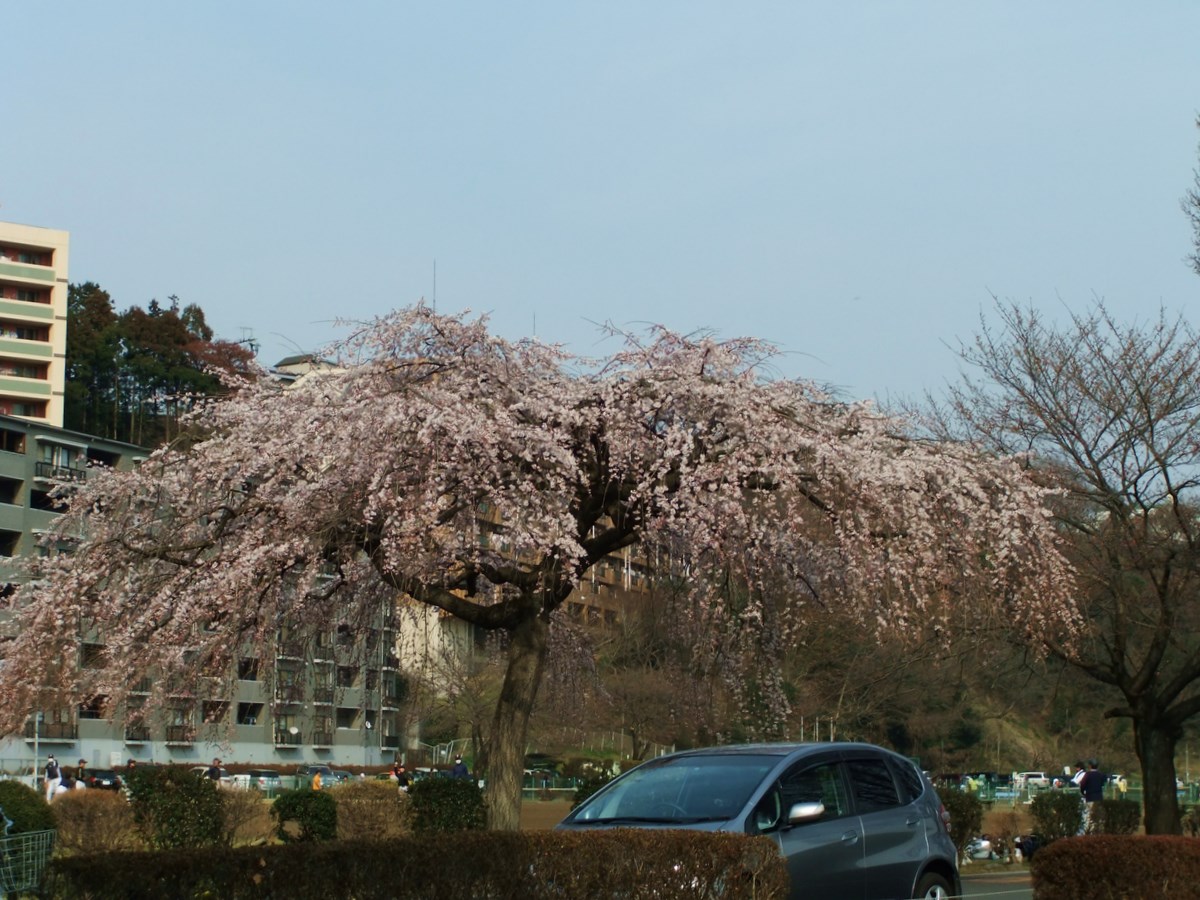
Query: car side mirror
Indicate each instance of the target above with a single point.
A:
(805, 812)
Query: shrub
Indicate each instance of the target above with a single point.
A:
(95, 822)
(245, 817)
(1102, 866)
(314, 812)
(27, 808)
(1057, 814)
(446, 804)
(174, 807)
(1115, 817)
(966, 816)
(1191, 822)
(371, 810)
(589, 786)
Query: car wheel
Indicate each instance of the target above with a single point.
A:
(933, 887)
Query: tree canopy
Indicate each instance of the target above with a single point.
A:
(131, 375)
(1111, 413)
(484, 477)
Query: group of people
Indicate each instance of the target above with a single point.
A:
(59, 779)
(404, 778)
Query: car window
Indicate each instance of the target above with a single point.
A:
(821, 783)
(873, 786)
(911, 784)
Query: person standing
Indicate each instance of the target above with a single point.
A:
(53, 777)
(214, 771)
(1091, 786)
(403, 778)
(316, 780)
(460, 769)
(81, 775)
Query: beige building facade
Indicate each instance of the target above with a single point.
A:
(33, 322)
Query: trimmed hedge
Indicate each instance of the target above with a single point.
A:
(1115, 817)
(679, 865)
(966, 816)
(446, 804)
(25, 807)
(314, 812)
(1104, 867)
(175, 807)
(1057, 814)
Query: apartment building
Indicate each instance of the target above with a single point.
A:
(33, 322)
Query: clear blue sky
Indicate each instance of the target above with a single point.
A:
(852, 180)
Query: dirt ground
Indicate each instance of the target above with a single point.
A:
(542, 815)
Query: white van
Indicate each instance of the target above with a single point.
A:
(1023, 781)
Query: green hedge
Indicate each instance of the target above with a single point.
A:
(966, 816)
(25, 807)
(676, 865)
(589, 786)
(314, 814)
(175, 807)
(446, 804)
(1057, 814)
(1103, 867)
(1115, 817)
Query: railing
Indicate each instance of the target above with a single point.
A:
(391, 661)
(391, 742)
(181, 734)
(137, 734)
(322, 739)
(291, 649)
(59, 473)
(52, 731)
(289, 693)
(323, 695)
(287, 739)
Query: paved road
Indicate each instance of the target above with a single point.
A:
(998, 885)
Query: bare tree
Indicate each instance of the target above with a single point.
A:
(1110, 412)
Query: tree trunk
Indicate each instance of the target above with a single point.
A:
(1155, 745)
(506, 745)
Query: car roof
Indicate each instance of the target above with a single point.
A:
(780, 749)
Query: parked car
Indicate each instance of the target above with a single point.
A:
(105, 779)
(340, 776)
(264, 779)
(202, 771)
(1025, 780)
(304, 775)
(852, 820)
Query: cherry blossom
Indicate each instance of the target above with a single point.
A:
(484, 477)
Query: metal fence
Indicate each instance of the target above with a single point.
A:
(23, 860)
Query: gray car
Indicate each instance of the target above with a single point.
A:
(852, 820)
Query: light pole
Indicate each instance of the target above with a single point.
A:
(366, 742)
(37, 727)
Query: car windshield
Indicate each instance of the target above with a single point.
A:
(679, 790)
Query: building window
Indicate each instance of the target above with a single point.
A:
(14, 406)
(346, 717)
(14, 369)
(247, 669)
(214, 710)
(12, 441)
(248, 713)
(347, 676)
(22, 331)
(8, 542)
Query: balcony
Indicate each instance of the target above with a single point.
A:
(289, 693)
(323, 695)
(391, 742)
(50, 472)
(391, 661)
(53, 732)
(291, 650)
(390, 701)
(137, 734)
(322, 739)
(285, 739)
(181, 734)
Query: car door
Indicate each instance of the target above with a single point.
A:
(895, 843)
(824, 857)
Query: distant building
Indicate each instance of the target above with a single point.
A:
(33, 322)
